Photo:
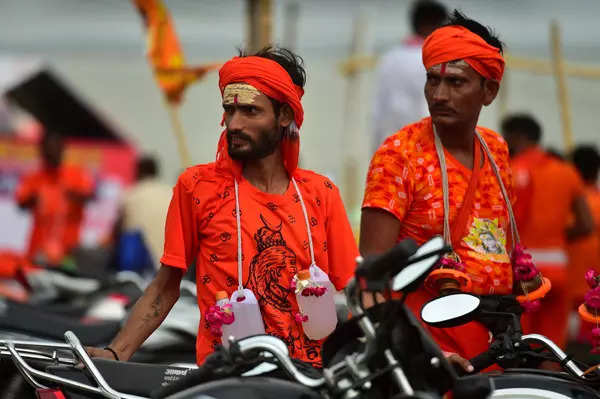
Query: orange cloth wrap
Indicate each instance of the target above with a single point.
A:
(272, 80)
(458, 43)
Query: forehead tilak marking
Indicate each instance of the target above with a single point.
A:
(239, 93)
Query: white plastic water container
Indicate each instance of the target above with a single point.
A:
(320, 310)
(248, 320)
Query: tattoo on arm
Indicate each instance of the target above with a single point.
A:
(148, 317)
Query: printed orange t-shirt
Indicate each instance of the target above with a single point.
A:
(201, 227)
(56, 218)
(405, 179)
(545, 188)
(584, 253)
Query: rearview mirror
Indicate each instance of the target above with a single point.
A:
(414, 271)
(450, 310)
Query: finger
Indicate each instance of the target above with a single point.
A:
(464, 363)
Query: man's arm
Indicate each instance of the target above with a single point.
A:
(379, 231)
(147, 314)
(584, 222)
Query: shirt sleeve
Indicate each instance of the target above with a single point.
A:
(26, 190)
(342, 249)
(181, 234)
(389, 180)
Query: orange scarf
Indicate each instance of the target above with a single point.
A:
(272, 80)
(458, 43)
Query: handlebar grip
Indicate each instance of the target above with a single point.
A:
(374, 267)
(483, 361)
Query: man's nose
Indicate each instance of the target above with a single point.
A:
(235, 121)
(441, 92)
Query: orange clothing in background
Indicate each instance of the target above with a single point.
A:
(584, 253)
(404, 179)
(201, 227)
(546, 188)
(56, 215)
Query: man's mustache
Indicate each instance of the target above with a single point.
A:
(238, 134)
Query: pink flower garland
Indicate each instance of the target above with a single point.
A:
(450, 263)
(217, 316)
(523, 267)
(524, 270)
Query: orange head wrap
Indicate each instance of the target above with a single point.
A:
(272, 80)
(458, 43)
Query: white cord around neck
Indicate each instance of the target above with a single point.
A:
(239, 230)
(310, 242)
(442, 159)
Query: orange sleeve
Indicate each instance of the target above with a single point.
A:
(341, 244)
(389, 181)
(26, 189)
(181, 229)
(577, 184)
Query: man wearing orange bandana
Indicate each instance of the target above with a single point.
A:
(252, 218)
(444, 175)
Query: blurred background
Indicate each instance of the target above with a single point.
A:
(97, 48)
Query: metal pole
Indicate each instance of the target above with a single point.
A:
(260, 23)
(561, 85)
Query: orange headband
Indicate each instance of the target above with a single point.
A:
(458, 43)
(268, 77)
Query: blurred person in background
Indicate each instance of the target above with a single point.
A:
(144, 213)
(406, 194)
(400, 76)
(548, 192)
(584, 253)
(55, 195)
(288, 218)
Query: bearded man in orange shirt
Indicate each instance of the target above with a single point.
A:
(251, 219)
(446, 175)
(548, 192)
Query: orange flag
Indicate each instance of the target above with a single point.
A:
(164, 51)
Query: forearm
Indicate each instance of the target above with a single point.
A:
(147, 314)
(577, 231)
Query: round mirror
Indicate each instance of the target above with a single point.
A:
(414, 271)
(450, 310)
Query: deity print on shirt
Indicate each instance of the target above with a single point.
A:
(271, 271)
(272, 268)
(487, 240)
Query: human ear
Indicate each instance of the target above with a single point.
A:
(490, 91)
(286, 116)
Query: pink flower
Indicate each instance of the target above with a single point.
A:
(531, 306)
(293, 285)
(227, 316)
(591, 277)
(524, 272)
(300, 318)
(592, 298)
(319, 291)
(216, 331)
(450, 263)
(307, 291)
(240, 298)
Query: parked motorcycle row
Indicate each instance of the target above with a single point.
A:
(381, 352)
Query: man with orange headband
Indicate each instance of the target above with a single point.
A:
(251, 219)
(444, 175)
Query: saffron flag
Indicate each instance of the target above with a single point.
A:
(164, 52)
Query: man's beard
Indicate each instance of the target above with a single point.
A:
(266, 145)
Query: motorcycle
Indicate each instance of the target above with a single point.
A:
(380, 352)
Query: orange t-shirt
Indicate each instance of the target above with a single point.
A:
(545, 188)
(56, 217)
(584, 253)
(201, 227)
(405, 179)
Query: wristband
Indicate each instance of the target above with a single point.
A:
(111, 350)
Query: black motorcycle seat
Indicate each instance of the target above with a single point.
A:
(249, 388)
(126, 377)
(541, 379)
(29, 320)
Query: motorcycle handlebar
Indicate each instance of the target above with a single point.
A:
(483, 361)
(373, 268)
